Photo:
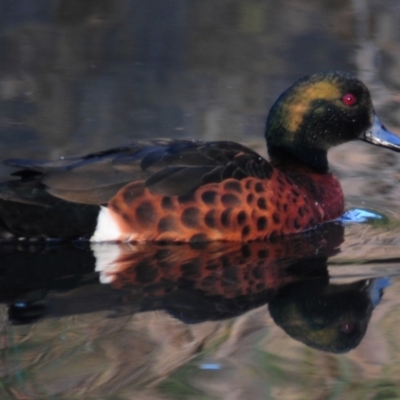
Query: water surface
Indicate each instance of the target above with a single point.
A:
(313, 316)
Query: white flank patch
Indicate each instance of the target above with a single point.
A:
(106, 255)
(107, 230)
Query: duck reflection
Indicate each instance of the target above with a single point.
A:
(332, 318)
(196, 283)
(217, 280)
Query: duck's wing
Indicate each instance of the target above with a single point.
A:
(170, 167)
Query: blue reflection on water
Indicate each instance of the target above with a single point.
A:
(376, 289)
(210, 366)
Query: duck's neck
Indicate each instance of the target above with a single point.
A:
(315, 159)
(319, 183)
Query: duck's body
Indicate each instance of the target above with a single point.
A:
(241, 200)
(175, 190)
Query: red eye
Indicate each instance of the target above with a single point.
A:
(347, 327)
(349, 99)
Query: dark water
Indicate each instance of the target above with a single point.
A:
(311, 316)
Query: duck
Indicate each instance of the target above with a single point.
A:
(167, 190)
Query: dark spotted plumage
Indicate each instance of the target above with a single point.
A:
(181, 190)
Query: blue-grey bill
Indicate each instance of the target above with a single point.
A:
(380, 136)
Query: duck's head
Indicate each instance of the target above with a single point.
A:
(321, 111)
